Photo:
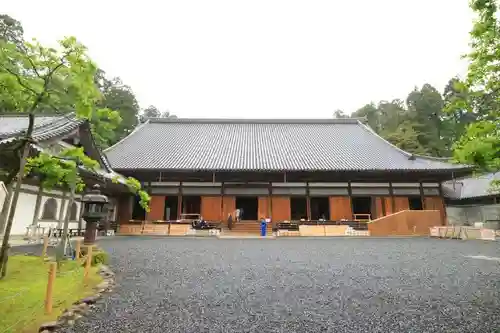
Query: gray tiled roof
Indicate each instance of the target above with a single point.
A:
(470, 187)
(46, 127)
(265, 145)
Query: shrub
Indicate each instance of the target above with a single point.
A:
(100, 257)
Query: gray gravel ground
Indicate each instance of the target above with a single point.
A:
(299, 285)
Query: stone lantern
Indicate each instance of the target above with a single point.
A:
(94, 210)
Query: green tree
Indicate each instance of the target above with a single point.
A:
(406, 138)
(371, 113)
(425, 108)
(119, 97)
(167, 114)
(480, 144)
(417, 126)
(151, 112)
(11, 30)
(35, 78)
(339, 114)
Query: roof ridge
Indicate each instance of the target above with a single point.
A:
(256, 120)
(136, 129)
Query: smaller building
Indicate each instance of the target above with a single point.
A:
(470, 200)
(53, 133)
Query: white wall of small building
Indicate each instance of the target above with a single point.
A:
(26, 209)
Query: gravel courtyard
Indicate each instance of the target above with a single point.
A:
(299, 285)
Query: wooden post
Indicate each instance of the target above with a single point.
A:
(88, 262)
(223, 218)
(308, 203)
(422, 195)
(179, 201)
(50, 287)
(349, 192)
(45, 245)
(393, 202)
(78, 248)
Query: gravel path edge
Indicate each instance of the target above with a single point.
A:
(83, 306)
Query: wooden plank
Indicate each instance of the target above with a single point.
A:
(340, 208)
(124, 209)
(156, 208)
(436, 203)
(263, 210)
(281, 208)
(401, 203)
(379, 207)
(387, 201)
(210, 208)
(228, 207)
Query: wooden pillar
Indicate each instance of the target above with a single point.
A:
(349, 192)
(391, 195)
(179, 202)
(422, 196)
(271, 206)
(223, 218)
(269, 199)
(38, 203)
(308, 202)
(443, 206)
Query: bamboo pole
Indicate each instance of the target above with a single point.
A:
(78, 248)
(50, 287)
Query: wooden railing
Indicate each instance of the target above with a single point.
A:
(405, 223)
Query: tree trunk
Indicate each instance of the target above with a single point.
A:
(6, 207)
(12, 212)
(15, 196)
(64, 238)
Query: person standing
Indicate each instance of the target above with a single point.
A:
(237, 214)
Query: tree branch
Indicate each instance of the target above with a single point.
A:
(21, 83)
(46, 80)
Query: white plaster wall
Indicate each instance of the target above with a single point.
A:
(55, 223)
(26, 209)
(24, 213)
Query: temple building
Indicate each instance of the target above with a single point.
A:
(282, 169)
(46, 208)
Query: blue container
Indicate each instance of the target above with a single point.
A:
(263, 227)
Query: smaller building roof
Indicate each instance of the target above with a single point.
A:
(46, 126)
(471, 187)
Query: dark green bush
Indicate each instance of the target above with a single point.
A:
(100, 257)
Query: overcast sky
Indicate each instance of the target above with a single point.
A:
(261, 58)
